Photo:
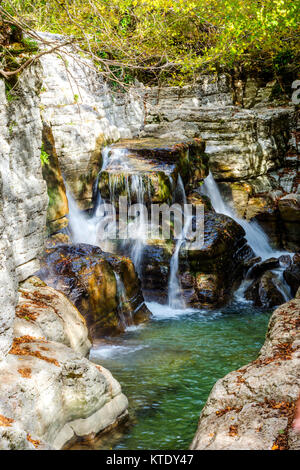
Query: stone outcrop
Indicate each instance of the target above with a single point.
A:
(44, 312)
(49, 392)
(253, 408)
(292, 274)
(266, 291)
(209, 274)
(216, 268)
(289, 209)
(241, 143)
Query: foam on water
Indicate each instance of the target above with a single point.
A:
(106, 351)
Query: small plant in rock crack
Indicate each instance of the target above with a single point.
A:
(44, 156)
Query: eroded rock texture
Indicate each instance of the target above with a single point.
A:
(49, 392)
(22, 193)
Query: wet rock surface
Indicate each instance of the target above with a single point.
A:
(259, 268)
(266, 291)
(44, 312)
(253, 408)
(57, 393)
(292, 274)
(87, 276)
(158, 163)
(289, 208)
(217, 267)
(207, 275)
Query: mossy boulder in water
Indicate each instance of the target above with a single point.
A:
(89, 277)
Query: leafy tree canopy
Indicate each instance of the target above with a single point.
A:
(171, 40)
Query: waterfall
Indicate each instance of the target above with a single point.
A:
(175, 299)
(82, 228)
(255, 235)
(123, 301)
(138, 228)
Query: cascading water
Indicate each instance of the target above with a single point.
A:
(175, 299)
(255, 235)
(82, 228)
(138, 228)
(123, 302)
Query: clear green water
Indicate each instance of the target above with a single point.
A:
(168, 367)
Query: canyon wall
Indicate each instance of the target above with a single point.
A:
(23, 194)
(64, 104)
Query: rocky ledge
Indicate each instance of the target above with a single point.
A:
(253, 408)
(49, 392)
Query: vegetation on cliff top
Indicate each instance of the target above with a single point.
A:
(171, 40)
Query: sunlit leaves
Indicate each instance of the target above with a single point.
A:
(187, 34)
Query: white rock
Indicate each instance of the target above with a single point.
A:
(44, 312)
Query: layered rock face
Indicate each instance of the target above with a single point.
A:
(241, 143)
(58, 207)
(23, 194)
(253, 152)
(49, 392)
(253, 408)
(84, 116)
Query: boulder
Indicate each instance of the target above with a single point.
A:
(55, 394)
(253, 408)
(88, 277)
(259, 268)
(44, 312)
(266, 291)
(292, 274)
(217, 266)
(49, 393)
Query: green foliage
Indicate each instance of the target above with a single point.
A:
(44, 156)
(171, 40)
(29, 44)
(9, 92)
